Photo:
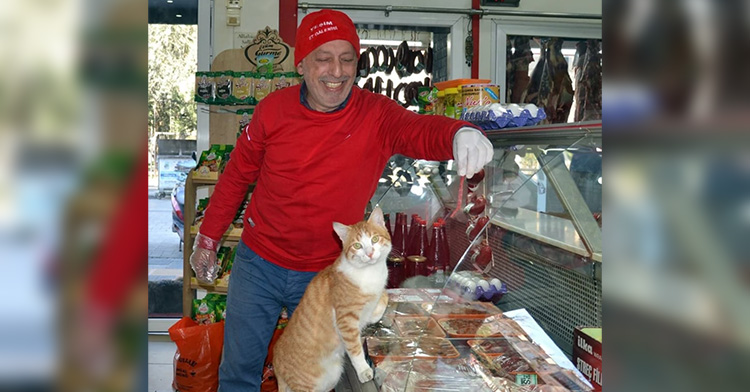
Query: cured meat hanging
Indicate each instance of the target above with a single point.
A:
(578, 62)
(521, 59)
(562, 85)
(591, 103)
(551, 87)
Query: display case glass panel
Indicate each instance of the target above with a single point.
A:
(522, 271)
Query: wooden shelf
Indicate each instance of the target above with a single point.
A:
(209, 178)
(220, 287)
(231, 234)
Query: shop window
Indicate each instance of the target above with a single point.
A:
(562, 75)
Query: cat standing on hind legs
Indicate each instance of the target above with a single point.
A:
(339, 302)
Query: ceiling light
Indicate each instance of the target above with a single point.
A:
(388, 42)
(170, 1)
(179, 15)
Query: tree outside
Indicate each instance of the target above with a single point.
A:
(172, 63)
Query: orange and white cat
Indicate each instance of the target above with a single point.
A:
(338, 303)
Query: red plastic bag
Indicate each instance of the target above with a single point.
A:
(196, 361)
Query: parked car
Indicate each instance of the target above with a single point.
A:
(177, 198)
(178, 207)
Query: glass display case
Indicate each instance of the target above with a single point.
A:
(493, 273)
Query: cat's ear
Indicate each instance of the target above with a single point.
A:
(376, 217)
(342, 230)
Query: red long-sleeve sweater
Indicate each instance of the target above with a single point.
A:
(314, 168)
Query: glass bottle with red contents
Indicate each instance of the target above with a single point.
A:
(395, 271)
(442, 248)
(398, 240)
(387, 220)
(412, 229)
(418, 247)
(435, 260)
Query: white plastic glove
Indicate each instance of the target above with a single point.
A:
(203, 260)
(471, 151)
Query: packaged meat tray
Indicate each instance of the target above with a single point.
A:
(418, 326)
(424, 347)
(382, 329)
(408, 309)
(406, 295)
(449, 374)
(491, 347)
(467, 327)
(473, 309)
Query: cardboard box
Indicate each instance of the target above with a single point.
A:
(587, 354)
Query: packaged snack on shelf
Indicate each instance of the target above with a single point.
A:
(474, 95)
(265, 63)
(281, 80)
(244, 116)
(262, 87)
(210, 160)
(242, 88)
(426, 98)
(224, 82)
(238, 222)
(204, 87)
(463, 309)
(200, 210)
(204, 311)
(418, 326)
(226, 267)
(425, 347)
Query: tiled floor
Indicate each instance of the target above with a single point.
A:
(160, 354)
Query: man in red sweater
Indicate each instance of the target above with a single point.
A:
(315, 152)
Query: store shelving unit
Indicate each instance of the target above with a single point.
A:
(193, 182)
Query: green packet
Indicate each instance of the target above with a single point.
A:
(426, 99)
(214, 159)
(205, 87)
(204, 311)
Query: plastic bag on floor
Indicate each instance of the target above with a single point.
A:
(198, 355)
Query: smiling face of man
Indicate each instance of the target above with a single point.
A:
(329, 72)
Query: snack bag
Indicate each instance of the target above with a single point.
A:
(426, 99)
(203, 311)
(209, 161)
(262, 86)
(205, 87)
(265, 63)
(242, 88)
(224, 82)
(200, 211)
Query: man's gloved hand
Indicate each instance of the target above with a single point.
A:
(471, 151)
(203, 259)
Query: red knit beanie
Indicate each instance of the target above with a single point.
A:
(323, 26)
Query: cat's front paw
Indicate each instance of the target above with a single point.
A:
(365, 375)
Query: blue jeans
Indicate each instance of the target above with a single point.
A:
(257, 291)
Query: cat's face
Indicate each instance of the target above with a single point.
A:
(365, 243)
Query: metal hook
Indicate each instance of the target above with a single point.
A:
(388, 10)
